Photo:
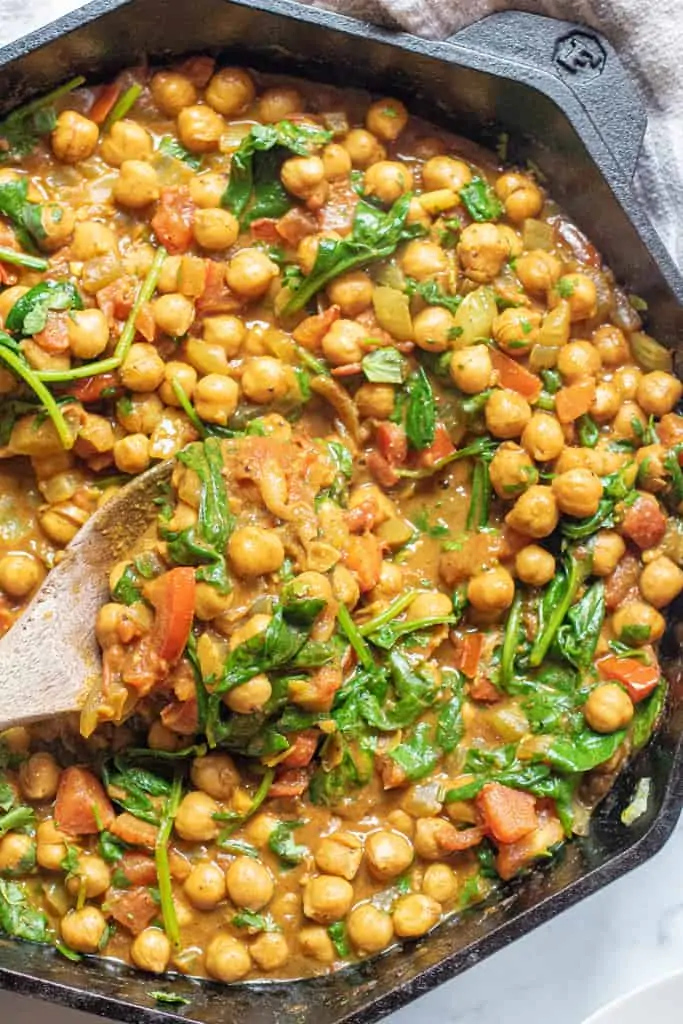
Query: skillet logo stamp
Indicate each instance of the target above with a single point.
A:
(580, 53)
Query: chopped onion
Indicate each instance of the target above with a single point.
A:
(624, 314)
(336, 121)
(99, 272)
(650, 354)
(538, 234)
(234, 133)
(554, 331)
(392, 309)
(475, 317)
(543, 357)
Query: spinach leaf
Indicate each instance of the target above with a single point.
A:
(281, 842)
(589, 434)
(431, 293)
(28, 315)
(26, 216)
(647, 715)
(389, 635)
(271, 649)
(420, 410)
(23, 128)
(133, 789)
(18, 917)
(449, 724)
(110, 847)
(511, 641)
(337, 932)
(17, 818)
(353, 770)
(480, 496)
(171, 147)
(385, 366)
(556, 602)
(480, 200)
(240, 846)
(254, 922)
(170, 998)
(375, 235)
(418, 755)
(583, 751)
(578, 637)
(127, 589)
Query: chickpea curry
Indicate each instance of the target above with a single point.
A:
(394, 632)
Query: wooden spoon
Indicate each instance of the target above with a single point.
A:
(50, 656)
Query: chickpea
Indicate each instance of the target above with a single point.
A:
(340, 854)
(216, 775)
(250, 272)
(141, 414)
(661, 581)
(226, 331)
(172, 91)
(608, 550)
(342, 343)
(580, 292)
(184, 375)
(608, 708)
(658, 393)
(127, 140)
(578, 360)
(88, 331)
(388, 180)
(227, 959)
(521, 196)
(370, 929)
(327, 898)
(51, 848)
(535, 513)
(388, 854)
(206, 190)
(206, 359)
(375, 401)
(626, 380)
(622, 424)
(538, 271)
(92, 875)
(352, 292)
(151, 950)
(543, 437)
(612, 345)
(638, 623)
(17, 853)
(250, 884)
(279, 103)
(20, 574)
(216, 398)
(606, 402)
(506, 413)
(386, 118)
(39, 776)
(422, 259)
(336, 161)
(345, 586)
(445, 172)
(511, 470)
(200, 128)
(316, 943)
(270, 951)
(254, 551)
(303, 175)
(414, 915)
(205, 886)
(249, 697)
(173, 314)
(578, 492)
(440, 883)
(534, 565)
(230, 91)
(482, 251)
(516, 330)
(137, 185)
(364, 148)
(492, 590)
(433, 329)
(74, 137)
(58, 222)
(215, 229)
(83, 930)
(195, 818)
(92, 239)
(143, 368)
(161, 738)
(431, 604)
(471, 369)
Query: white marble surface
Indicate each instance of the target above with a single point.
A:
(624, 937)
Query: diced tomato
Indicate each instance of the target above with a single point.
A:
(54, 338)
(468, 653)
(363, 556)
(172, 595)
(302, 749)
(639, 679)
(670, 431)
(623, 582)
(116, 299)
(138, 868)
(264, 229)
(338, 212)
(383, 472)
(296, 225)
(8, 275)
(172, 220)
(509, 814)
(198, 69)
(513, 857)
(450, 839)
(361, 517)
(181, 716)
(392, 774)
(134, 831)
(575, 400)
(179, 865)
(133, 908)
(311, 331)
(289, 783)
(89, 389)
(7, 616)
(440, 447)
(348, 370)
(103, 103)
(392, 442)
(482, 689)
(82, 807)
(644, 522)
(216, 297)
(514, 376)
(145, 324)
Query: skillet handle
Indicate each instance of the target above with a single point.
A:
(580, 61)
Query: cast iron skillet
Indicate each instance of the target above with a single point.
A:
(561, 94)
